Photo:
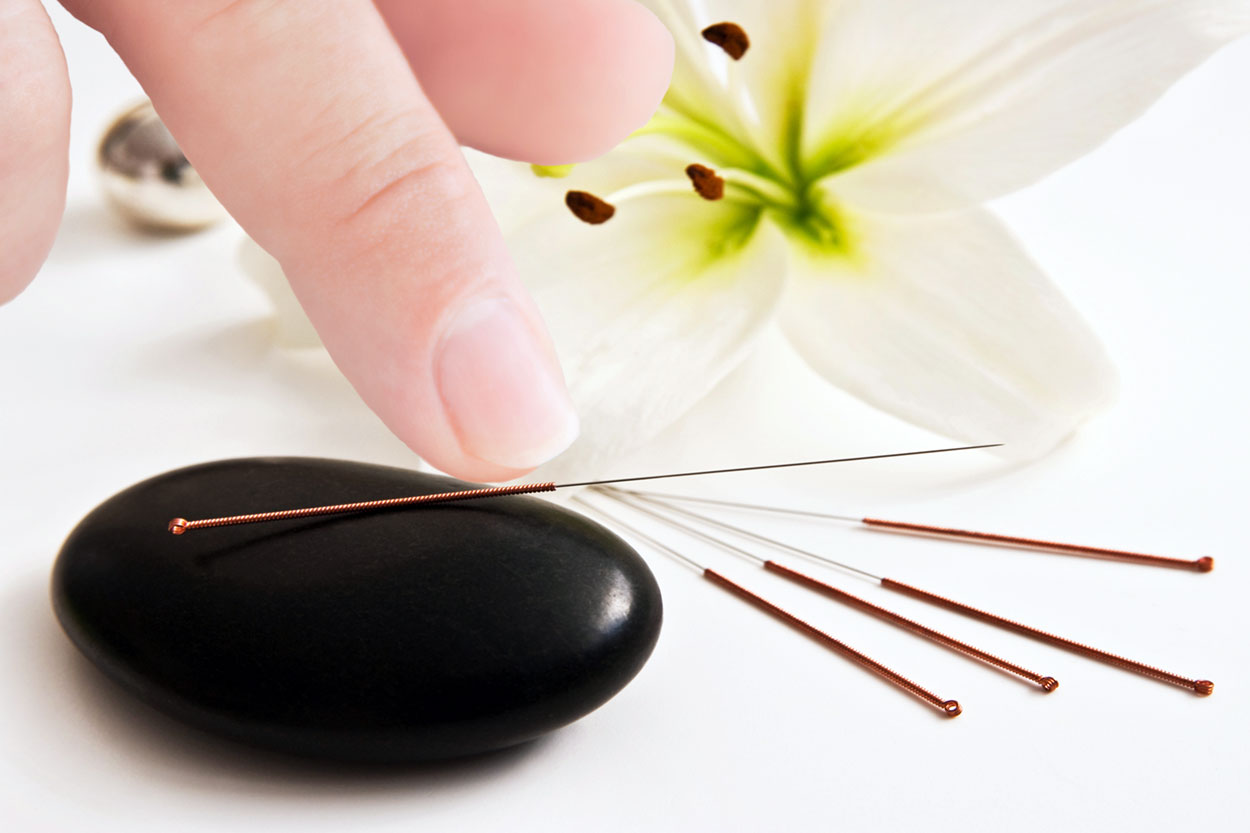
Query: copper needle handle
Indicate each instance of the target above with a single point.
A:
(1202, 687)
(180, 525)
(1047, 684)
(950, 708)
(1197, 565)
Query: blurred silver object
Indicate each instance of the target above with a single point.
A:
(147, 178)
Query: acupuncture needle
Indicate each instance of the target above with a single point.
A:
(949, 708)
(180, 526)
(1047, 684)
(1200, 687)
(1198, 565)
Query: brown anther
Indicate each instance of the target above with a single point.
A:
(729, 37)
(588, 208)
(706, 183)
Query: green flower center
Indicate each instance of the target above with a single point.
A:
(783, 183)
(787, 193)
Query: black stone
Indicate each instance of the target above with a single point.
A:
(399, 635)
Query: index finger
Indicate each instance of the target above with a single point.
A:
(308, 124)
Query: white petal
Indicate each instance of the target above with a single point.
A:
(959, 101)
(943, 321)
(648, 310)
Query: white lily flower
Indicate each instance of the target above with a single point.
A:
(856, 141)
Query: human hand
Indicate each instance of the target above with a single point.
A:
(308, 123)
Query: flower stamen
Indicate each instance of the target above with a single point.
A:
(588, 208)
(730, 37)
(706, 183)
(552, 171)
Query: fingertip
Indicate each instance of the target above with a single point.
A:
(551, 83)
(456, 463)
(501, 387)
(625, 56)
(452, 458)
(632, 47)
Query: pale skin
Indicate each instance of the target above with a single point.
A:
(333, 140)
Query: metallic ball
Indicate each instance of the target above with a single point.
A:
(147, 179)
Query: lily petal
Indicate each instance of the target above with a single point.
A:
(648, 310)
(944, 321)
(932, 106)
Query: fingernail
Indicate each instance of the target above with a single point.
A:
(506, 402)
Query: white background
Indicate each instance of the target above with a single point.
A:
(131, 355)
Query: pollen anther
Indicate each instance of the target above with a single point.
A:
(730, 37)
(706, 182)
(588, 208)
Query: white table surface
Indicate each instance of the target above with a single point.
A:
(131, 355)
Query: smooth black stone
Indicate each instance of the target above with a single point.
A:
(399, 635)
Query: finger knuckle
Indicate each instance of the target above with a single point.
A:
(230, 13)
(403, 185)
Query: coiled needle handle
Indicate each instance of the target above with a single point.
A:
(950, 708)
(1201, 687)
(178, 526)
(1197, 565)
(1047, 684)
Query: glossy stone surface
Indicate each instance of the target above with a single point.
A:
(406, 634)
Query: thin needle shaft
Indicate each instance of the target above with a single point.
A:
(761, 539)
(626, 498)
(178, 526)
(1199, 565)
(949, 708)
(776, 466)
(640, 535)
(756, 507)
(1047, 684)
